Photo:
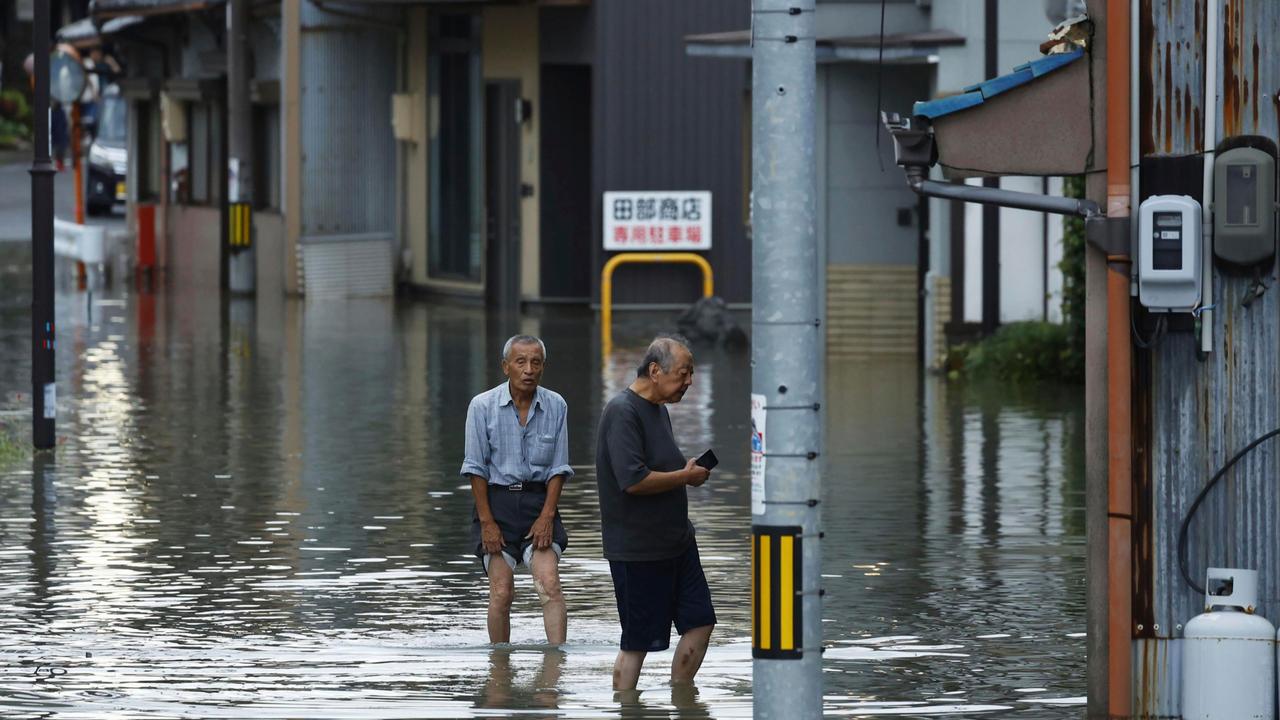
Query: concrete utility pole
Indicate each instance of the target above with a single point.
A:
(786, 383)
(239, 150)
(43, 391)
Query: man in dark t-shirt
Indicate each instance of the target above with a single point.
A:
(644, 518)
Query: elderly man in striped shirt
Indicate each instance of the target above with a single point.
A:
(517, 457)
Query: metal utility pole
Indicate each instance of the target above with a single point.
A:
(44, 405)
(786, 383)
(239, 150)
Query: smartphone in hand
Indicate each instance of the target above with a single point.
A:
(707, 460)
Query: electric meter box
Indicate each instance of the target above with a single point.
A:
(1244, 206)
(1169, 252)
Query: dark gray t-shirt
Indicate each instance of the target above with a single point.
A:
(635, 439)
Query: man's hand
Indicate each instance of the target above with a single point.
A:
(696, 473)
(490, 537)
(540, 533)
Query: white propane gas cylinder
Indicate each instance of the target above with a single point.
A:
(1228, 653)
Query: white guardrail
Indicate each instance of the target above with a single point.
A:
(93, 245)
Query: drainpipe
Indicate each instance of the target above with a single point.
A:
(1210, 146)
(1119, 371)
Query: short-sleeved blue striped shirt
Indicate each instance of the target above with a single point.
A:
(503, 452)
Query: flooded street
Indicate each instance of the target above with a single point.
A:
(256, 512)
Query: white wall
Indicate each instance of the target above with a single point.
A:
(1024, 263)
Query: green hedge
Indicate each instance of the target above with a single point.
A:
(15, 119)
(1018, 352)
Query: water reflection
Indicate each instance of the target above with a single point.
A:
(255, 512)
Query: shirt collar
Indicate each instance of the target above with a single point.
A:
(504, 395)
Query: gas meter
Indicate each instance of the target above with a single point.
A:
(1169, 252)
(1244, 202)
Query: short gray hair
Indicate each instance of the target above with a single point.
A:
(662, 351)
(523, 340)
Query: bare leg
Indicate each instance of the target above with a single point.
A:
(626, 669)
(546, 580)
(502, 589)
(689, 653)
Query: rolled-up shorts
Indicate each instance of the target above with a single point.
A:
(653, 594)
(515, 512)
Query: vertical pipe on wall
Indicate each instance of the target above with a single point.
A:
(1119, 372)
(1210, 145)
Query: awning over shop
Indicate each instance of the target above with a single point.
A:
(83, 33)
(917, 47)
(105, 9)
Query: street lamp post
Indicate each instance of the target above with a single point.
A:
(43, 391)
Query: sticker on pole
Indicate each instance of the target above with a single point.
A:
(757, 453)
(50, 401)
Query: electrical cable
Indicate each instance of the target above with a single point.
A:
(880, 86)
(1157, 333)
(1204, 492)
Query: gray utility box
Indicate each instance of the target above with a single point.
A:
(1169, 252)
(1244, 206)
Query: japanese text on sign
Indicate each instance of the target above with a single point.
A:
(675, 220)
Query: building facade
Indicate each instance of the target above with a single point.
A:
(458, 149)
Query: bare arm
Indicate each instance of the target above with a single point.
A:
(659, 482)
(480, 491)
(490, 533)
(554, 486)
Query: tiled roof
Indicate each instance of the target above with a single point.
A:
(977, 94)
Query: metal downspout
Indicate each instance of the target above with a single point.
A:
(1119, 375)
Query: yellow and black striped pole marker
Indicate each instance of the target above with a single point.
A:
(777, 619)
(240, 226)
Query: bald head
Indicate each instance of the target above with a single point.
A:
(664, 350)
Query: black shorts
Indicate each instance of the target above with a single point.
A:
(652, 594)
(515, 513)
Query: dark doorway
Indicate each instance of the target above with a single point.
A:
(455, 180)
(502, 193)
(565, 228)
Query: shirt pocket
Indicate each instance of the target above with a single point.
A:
(544, 450)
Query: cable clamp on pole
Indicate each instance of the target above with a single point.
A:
(811, 455)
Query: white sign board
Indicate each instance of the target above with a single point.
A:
(758, 416)
(26, 10)
(673, 220)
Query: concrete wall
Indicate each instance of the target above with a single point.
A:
(413, 200)
(510, 51)
(194, 247)
(871, 311)
(269, 251)
(291, 147)
(864, 192)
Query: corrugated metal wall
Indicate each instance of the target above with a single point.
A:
(665, 121)
(348, 151)
(1203, 410)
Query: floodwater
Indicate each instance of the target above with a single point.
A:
(255, 512)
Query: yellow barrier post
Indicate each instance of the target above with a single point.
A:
(606, 285)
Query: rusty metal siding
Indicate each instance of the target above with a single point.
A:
(348, 152)
(1205, 410)
(666, 121)
(1247, 82)
(1171, 50)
